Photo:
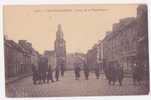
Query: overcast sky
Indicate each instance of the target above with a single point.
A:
(82, 28)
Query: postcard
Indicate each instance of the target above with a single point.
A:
(76, 50)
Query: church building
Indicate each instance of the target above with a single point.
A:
(60, 49)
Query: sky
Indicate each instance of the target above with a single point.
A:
(82, 25)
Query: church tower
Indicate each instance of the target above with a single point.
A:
(60, 49)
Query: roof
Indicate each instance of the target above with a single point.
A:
(14, 45)
(121, 26)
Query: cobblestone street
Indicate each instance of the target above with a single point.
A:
(68, 86)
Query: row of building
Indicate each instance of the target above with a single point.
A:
(19, 57)
(126, 44)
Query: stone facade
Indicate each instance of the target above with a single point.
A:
(19, 57)
(142, 46)
(92, 57)
(13, 55)
(100, 55)
(121, 44)
(28, 55)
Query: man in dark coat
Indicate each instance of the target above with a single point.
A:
(44, 76)
(77, 71)
(39, 75)
(57, 73)
(62, 69)
(44, 71)
(35, 74)
(97, 72)
(50, 74)
(43, 65)
(120, 74)
(137, 73)
(86, 71)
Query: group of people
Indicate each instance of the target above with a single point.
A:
(138, 74)
(113, 72)
(42, 73)
(86, 70)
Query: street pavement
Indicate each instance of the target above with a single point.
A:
(68, 86)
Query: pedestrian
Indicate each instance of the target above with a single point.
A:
(44, 69)
(137, 77)
(107, 71)
(57, 73)
(44, 76)
(120, 74)
(86, 71)
(62, 69)
(39, 74)
(113, 72)
(97, 72)
(34, 71)
(50, 74)
(77, 71)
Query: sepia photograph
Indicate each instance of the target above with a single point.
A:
(76, 50)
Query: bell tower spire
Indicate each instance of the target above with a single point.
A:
(59, 33)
